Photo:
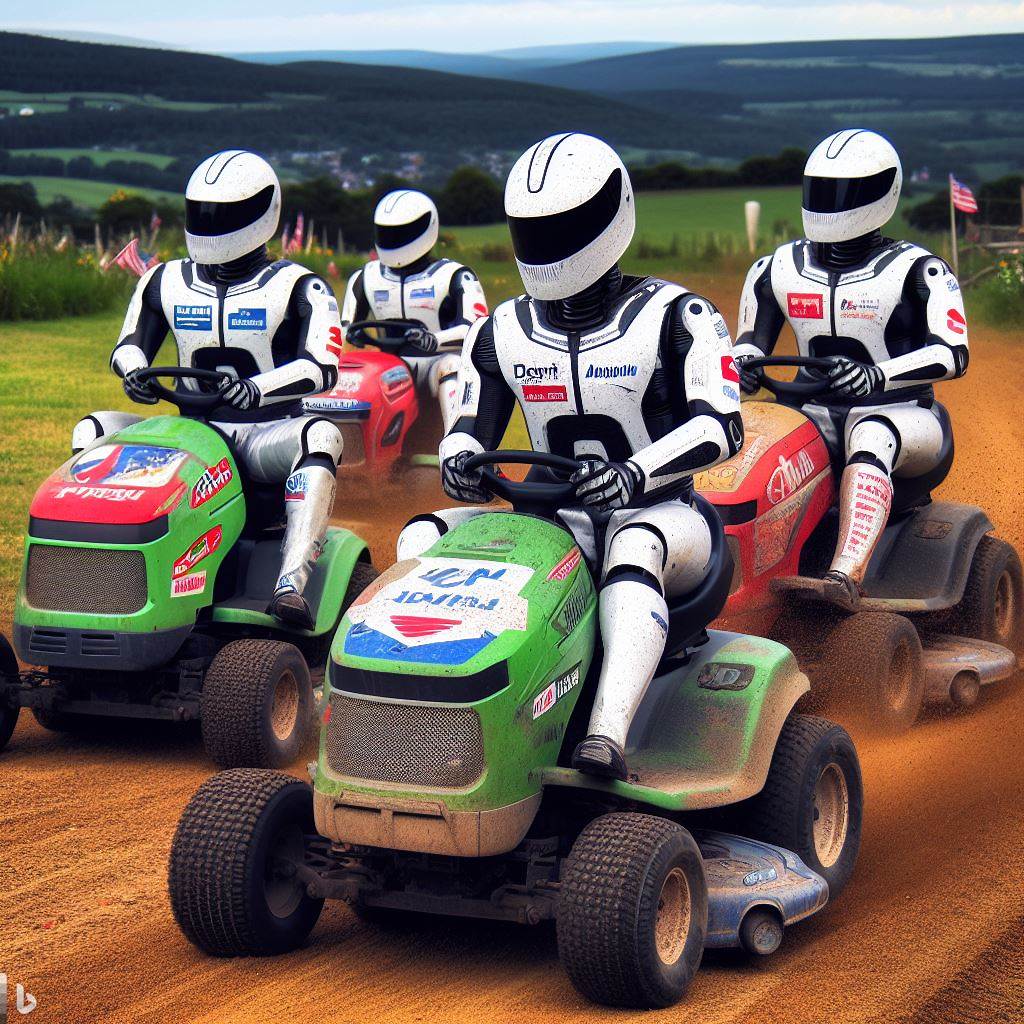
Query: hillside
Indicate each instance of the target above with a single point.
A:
(188, 103)
(947, 102)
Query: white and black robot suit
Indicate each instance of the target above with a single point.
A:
(406, 283)
(889, 309)
(631, 376)
(275, 326)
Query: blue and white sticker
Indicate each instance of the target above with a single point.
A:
(193, 318)
(295, 487)
(248, 320)
(381, 294)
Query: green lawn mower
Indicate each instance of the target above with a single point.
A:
(149, 563)
(458, 686)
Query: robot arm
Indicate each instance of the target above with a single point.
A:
(486, 401)
(464, 304)
(145, 326)
(315, 366)
(696, 351)
(356, 306)
(944, 355)
(761, 319)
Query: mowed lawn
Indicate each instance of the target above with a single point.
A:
(100, 157)
(84, 192)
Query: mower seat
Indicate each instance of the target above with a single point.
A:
(689, 614)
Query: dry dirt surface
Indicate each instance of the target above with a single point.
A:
(930, 930)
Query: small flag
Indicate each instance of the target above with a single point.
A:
(332, 269)
(297, 238)
(963, 197)
(154, 223)
(132, 258)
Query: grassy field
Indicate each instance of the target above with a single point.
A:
(53, 102)
(84, 192)
(100, 157)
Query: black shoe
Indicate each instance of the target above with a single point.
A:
(290, 607)
(841, 591)
(598, 755)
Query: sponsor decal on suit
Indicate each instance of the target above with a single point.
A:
(544, 393)
(193, 318)
(248, 320)
(805, 306)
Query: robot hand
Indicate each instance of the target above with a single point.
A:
(605, 485)
(136, 390)
(460, 484)
(749, 384)
(854, 379)
(242, 394)
(422, 339)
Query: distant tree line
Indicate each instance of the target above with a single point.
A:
(785, 169)
(120, 172)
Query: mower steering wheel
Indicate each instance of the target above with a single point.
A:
(788, 388)
(188, 402)
(355, 333)
(527, 496)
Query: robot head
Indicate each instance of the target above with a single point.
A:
(232, 206)
(405, 227)
(851, 185)
(569, 203)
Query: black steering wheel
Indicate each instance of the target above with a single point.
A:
(194, 403)
(532, 497)
(794, 388)
(355, 333)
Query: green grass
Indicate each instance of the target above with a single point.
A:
(100, 157)
(51, 102)
(83, 192)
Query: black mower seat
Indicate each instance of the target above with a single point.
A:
(689, 614)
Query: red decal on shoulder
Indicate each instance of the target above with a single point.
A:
(805, 306)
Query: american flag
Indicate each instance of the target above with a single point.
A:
(963, 197)
(132, 258)
(297, 239)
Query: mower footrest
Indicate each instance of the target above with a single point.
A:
(956, 667)
(745, 876)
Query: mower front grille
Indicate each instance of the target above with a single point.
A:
(437, 747)
(92, 580)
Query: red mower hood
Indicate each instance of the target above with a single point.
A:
(363, 378)
(115, 484)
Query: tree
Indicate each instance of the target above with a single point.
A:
(19, 197)
(471, 196)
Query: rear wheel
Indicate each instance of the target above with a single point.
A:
(633, 911)
(233, 880)
(257, 704)
(8, 676)
(873, 662)
(813, 799)
(992, 607)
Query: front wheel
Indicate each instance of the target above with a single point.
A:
(813, 799)
(256, 707)
(232, 878)
(633, 911)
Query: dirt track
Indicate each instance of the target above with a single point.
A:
(931, 929)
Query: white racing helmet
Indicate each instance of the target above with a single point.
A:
(404, 227)
(232, 206)
(852, 184)
(570, 209)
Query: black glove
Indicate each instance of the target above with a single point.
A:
(242, 394)
(855, 380)
(462, 485)
(138, 390)
(422, 339)
(749, 382)
(605, 485)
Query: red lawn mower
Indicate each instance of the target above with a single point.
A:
(375, 403)
(942, 612)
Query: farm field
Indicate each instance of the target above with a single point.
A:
(100, 157)
(84, 192)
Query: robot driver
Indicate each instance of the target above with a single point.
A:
(891, 313)
(633, 377)
(273, 326)
(405, 283)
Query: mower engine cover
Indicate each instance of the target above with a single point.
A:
(124, 544)
(469, 656)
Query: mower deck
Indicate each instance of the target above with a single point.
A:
(956, 667)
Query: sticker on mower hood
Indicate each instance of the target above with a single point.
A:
(127, 465)
(443, 611)
(200, 549)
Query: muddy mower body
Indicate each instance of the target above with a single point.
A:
(458, 685)
(942, 614)
(375, 404)
(149, 563)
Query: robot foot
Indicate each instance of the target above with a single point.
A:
(598, 755)
(290, 607)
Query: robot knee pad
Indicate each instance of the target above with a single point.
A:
(637, 546)
(321, 444)
(874, 440)
(89, 429)
(419, 534)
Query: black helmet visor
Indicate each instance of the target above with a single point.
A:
(213, 219)
(542, 240)
(395, 236)
(839, 195)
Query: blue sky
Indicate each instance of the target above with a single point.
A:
(472, 25)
